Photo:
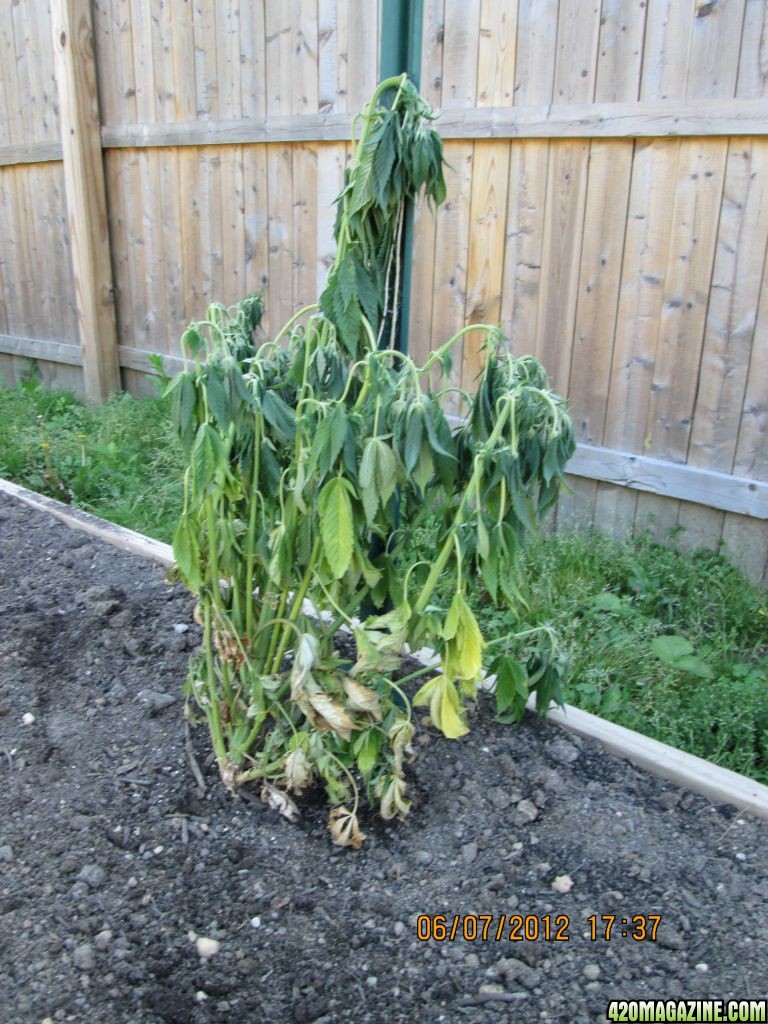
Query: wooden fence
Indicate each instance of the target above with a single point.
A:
(608, 203)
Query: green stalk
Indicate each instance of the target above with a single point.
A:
(251, 535)
(298, 600)
(269, 660)
(451, 341)
(212, 712)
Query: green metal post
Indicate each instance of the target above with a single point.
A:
(402, 26)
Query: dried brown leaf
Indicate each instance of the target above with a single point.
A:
(345, 830)
(362, 698)
(280, 802)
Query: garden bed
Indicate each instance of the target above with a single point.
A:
(115, 860)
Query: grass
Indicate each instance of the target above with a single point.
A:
(121, 461)
(610, 602)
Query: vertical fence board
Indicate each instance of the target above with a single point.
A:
(86, 197)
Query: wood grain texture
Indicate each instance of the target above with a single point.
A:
(86, 198)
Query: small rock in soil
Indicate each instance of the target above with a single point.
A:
(155, 701)
(563, 883)
(83, 957)
(527, 811)
(6, 853)
(469, 853)
(563, 751)
(93, 875)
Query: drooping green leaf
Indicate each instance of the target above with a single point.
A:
(367, 749)
(279, 416)
(367, 294)
(511, 685)
(338, 432)
(386, 472)
(186, 551)
(413, 436)
(335, 511)
(207, 456)
(216, 396)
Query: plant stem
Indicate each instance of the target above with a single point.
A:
(298, 600)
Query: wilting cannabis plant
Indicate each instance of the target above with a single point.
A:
(313, 458)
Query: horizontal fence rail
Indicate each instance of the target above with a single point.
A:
(662, 119)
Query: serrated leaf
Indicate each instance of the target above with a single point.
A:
(413, 437)
(483, 545)
(386, 472)
(490, 571)
(183, 400)
(338, 432)
(345, 830)
(370, 497)
(279, 416)
(511, 685)
(367, 294)
(368, 752)
(362, 698)
(368, 462)
(383, 158)
(439, 432)
(331, 712)
(186, 552)
(347, 281)
(336, 531)
(425, 468)
(217, 398)
(207, 456)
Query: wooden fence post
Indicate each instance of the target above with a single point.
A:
(75, 67)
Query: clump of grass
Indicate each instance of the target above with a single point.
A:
(122, 460)
(609, 601)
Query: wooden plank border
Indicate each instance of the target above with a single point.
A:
(650, 119)
(680, 768)
(743, 495)
(77, 519)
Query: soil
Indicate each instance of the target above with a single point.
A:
(113, 862)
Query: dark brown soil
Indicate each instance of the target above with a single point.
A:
(112, 861)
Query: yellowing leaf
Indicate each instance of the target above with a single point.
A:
(345, 830)
(423, 695)
(450, 721)
(362, 698)
(463, 654)
(444, 706)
